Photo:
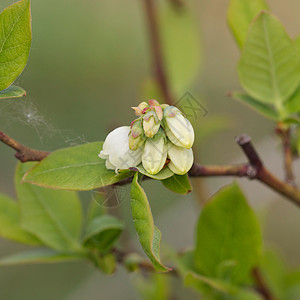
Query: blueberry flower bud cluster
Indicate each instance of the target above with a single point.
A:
(160, 137)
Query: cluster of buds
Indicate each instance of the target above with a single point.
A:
(160, 137)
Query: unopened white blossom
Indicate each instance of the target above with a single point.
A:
(116, 150)
(181, 159)
(151, 123)
(178, 128)
(155, 153)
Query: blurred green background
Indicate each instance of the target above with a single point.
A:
(88, 63)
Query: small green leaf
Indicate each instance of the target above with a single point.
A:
(269, 68)
(149, 235)
(163, 174)
(38, 256)
(181, 46)
(102, 232)
(239, 16)
(12, 92)
(178, 183)
(228, 237)
(77, 168)
(15, 41)
(106, 263)
(53, 216)
(10, 223)
(264, 109)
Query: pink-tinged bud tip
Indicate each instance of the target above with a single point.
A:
(137, 111)
(153, 102)
(159, 112)
(170, 111)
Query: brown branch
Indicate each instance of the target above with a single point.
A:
(23, 153)
(157, 53)
(262, 288)
(253, 170)
(284, 133)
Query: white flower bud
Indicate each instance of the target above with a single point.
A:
(181, 159)
(155, 153)
(116, 150)
(178, 128)
(151, 124)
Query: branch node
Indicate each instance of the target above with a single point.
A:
(243, 139)
(251, 172)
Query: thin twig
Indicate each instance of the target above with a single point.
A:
(157, 53)
(261, 285)
(284, 133)
(23, 153)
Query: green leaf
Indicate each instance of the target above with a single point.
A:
(228, 237)
(53, 216)
(239, 16)
(102, 232)
(163, 174)
(15, 41)
(10, 223)
(269, 68)
(178, 183)
(264, 109)
(181, 46)
(37, 256)
(196, 282)
(292, 105)
(149, 235)
(77, 168)
(12, 92)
